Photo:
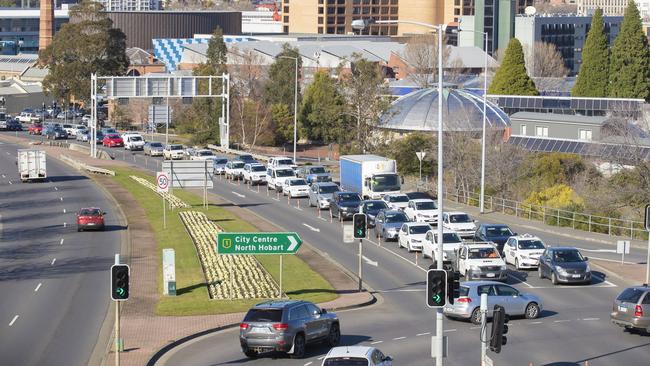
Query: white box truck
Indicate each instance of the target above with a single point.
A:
(31, 165)
(371, 176)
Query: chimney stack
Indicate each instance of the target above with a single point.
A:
(46, 25)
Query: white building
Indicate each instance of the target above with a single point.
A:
(260, 22)
(613, 7)
(130, 5)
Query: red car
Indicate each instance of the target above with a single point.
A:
(90, 218)
(35, 129)
(112, 140)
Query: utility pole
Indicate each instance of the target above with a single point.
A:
(484, 343)
(482, 208)
(439, 254)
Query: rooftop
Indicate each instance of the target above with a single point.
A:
(565, 118)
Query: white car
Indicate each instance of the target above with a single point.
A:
(411, 235)
(282, 162)
(202, 154)
(234, 169)
(173, 152)
(295, 187)
(422, 210)
(523, 251)
(450, 244)
(133, 142)
(396, 201)
(78, 129)
(356, 355)
(480, 261)
(275, 177)
(254, 173)
(459, 222)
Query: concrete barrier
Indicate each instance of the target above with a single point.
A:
(89, 168)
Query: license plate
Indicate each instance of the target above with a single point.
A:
(262, 330)
(576, 276)
(622, 308)
(490, 274)
(90, 223)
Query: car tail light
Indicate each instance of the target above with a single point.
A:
(280, 326)
(638, 311)
(243, 326)
(466, 300)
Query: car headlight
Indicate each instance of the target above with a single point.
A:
(561, 270)
(503, 268)
(587, 269)
(391, 230)
(416, 241)
(525, 257)
(475, 268)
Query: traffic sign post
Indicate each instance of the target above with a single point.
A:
(623, 248)
(162, 186)
(647, 228)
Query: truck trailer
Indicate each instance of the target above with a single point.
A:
(31, 165)
(371, 176)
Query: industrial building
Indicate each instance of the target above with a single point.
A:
(130, 5)
(19, 28)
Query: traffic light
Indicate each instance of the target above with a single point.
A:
(499, 329)
(120, 282)
(453, 286)
(436, 288)
(359, 225)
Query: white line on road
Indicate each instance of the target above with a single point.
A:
(53, 260)
(421, 334)
(64, 211)
(311, 227)
(4, 176)
(61, 199)
(598, 250)
(37, 287)
(61, 243)
(449, 330)
(591, 319)
(13, 320)
(56, 189)
(561, 321)
(376, 342)
(394, 253)
(535, 323)
(10, 182)
(403, 290)
(475, 328)
(238, 194)
(604, 280)
(321, 357)
(519, 279)
(308, 363)
(398, 338)
(370, 262)
(65, 224)
(297, 208)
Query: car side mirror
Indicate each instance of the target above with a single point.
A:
(387, 358)
(586, 259)
(103, 213)
(323, 311)
(475, 220)
(401, 177)
(514, 234)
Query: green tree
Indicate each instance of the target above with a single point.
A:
(321, 115)
(630, 59)
(89, 45)
(404, 150)
(282, 122)
(281, 85)
(594, 72)
(511, 77)
(559, 196)
(7, 3)
(545, 170)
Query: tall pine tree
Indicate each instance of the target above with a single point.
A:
(630, 59)
(511, 77)
(594, 72)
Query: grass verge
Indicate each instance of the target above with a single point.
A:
(192, 294)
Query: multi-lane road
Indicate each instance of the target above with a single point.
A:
(574, 326)
(54, 281)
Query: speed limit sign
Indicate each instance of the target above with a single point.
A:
(162, 182)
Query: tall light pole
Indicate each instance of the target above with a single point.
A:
(295, 107)
(361, 24)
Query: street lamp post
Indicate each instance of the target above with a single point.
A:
(295, 107)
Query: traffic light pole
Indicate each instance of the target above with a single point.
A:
(117, 323)
(484, 341)
(360, 265)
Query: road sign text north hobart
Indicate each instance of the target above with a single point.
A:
(258, 243)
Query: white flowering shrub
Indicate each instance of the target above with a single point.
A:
(250, 279)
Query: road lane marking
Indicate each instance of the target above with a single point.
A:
(402, 290)
(311, 227)
(399, 338)
(37, 287)
(604, 280)
(297, 208)
(65, 224)
(421, 334)
(61, 243)
(13, 320)
(376, 342)
(535, 323)
(4, 176)
(475, 328)
(587, 319)
(322, 357)
(598, 250)
(520, 280)
(53, 260)
(238, 194)
(449, 330)
(561, 321)
(64, 211)
(398, 255)
(308, 363)
(369, 261)
(56, 189)
(61, 199)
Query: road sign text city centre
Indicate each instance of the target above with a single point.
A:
(258, 243)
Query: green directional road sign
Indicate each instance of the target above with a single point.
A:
(258, 243)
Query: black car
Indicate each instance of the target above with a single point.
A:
(496, 233)
(14, 125)
(246, 158)
(419, 195)
(564, 265)
(344, 204)
(371, 208)
(54, 132)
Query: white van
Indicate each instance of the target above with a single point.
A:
(133, 142)
(276, 176)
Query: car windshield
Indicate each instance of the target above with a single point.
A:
(90, 212)
(135, 138)
(258, 168)
(479, 253)
(349, 197)
(221, 161)
(67, 126)
(531, 244)
(385, 183)
(449, 238)
(317, 170)
(297, 182)
(282, 173)
(428, 205)
(245, 157)
(396, 217)
(493, 231)
(567, 256)
(419, 229)
(630, 295)
(237, 164)
(176, 147)
(459, 219)
(155, 144)
(376, 205)
(113, 136)
(345, 361)
(328, 189)
(263, 315)
(397, 199)
(205, 153)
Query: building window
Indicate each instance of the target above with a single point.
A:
(541, 131)
(523, 130)
(286, 9)
(320, 10)
(585, 135)
(286, 19)
(320, 30)
(286, 29)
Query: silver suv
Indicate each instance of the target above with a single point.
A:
(287, 326)
(631, 309)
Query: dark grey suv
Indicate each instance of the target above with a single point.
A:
(287, 326)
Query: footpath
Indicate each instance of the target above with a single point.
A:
(148, 335)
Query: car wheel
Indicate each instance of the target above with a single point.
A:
(554, 278)
(517, 263)
(540, 274)
(335, 336)
(251, 354)
(298, 346)
(78, 229)
(532, 311)
(476, 316)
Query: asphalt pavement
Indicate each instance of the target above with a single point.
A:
(54, 281)
(574, 326)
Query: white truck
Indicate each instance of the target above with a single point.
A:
(480, 261)
(370, 176)
(31, 165)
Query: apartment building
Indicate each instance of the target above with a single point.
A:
(613, 7)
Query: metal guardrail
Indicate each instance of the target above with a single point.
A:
(237, 152)
(551, 216)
